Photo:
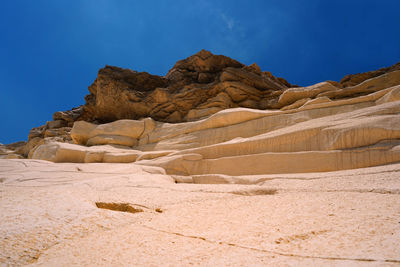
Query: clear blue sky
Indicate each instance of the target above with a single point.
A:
(50, 51)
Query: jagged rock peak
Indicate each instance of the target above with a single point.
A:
(204, 61)
(195, 87)
(131, 78)
(194, 94)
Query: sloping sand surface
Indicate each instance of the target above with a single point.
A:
(101, 214)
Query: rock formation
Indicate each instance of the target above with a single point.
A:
(322, 127)
(228, 165)
(354, 79)
(194, 88)
(318, 136)
(213, 115)
(106, 214)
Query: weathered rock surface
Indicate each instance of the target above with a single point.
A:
(321, 134)
(195, 87)
(320, 123)
(313, 170)
(13, 150)
(101, 214)
(121, 132)
(354, 79)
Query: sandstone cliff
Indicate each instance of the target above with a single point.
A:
(215, 164)
(213, 115)
(194, 88)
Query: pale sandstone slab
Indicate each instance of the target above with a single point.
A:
(368, 86)
(320, 139)
(332, 218)
(228, 124)
(104, 139)
(121, 132)
(64, 152)
(292, 95)
(392, 95)
(80, 133)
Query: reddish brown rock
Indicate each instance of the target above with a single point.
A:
(354, 79)
(195, 88)
(193, 84)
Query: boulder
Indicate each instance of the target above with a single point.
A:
(121, 132)
(81, 130)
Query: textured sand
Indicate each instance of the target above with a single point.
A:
(49, 217)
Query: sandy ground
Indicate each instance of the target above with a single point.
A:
(49, 217)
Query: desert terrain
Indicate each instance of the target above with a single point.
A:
(214, 164)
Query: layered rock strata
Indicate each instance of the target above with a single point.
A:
(313, 170)
(327, 131)
(213, 115)
(194, 88)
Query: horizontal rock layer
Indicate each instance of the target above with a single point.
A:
(77, 202)
(213, 115)
(328, 131)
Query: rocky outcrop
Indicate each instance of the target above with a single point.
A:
(65, 118)
(52, 131)
(319, 128)
(325, 91)
(121, 132)
(13, 150)
(202, 94)
(314, 170)
(195, 87)
(354, 79)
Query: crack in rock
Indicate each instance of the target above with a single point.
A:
(272, 251)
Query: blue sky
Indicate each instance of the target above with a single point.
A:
(50, 51)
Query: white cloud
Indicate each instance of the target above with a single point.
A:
(228, 21)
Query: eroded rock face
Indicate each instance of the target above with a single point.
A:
(354, 79)
(311, 133)
(121, 132)
(328, 129)
(67, 118)
(293, 161)
(12, 151)
(195, 87)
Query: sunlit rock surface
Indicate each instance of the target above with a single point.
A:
(334, 134)
(102, 214)
(215, 164)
